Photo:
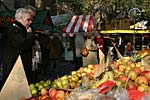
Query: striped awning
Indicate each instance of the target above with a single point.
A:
(81, 23)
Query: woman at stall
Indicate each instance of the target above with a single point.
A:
(91, 46)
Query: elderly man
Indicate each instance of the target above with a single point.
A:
(18, 42)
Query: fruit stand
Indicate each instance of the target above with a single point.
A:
(124, 79)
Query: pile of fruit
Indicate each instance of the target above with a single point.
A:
(132, 75)
(127, 74)
(75, 79)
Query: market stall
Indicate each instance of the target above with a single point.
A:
(77, 26)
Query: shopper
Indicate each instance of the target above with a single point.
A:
(99, 42)
(18, 42)
(91, 58)
(129, 49)
(56, 54)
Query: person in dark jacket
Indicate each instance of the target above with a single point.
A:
(18, 42)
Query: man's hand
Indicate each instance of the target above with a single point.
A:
(29, 29)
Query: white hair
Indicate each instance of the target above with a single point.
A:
(21, 12)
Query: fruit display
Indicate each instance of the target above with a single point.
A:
(39, 87)
(75, 79)
(128, 74)
(131, 75)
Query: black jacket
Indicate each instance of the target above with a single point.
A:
(17, 42)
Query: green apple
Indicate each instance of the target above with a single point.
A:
(42, 82)
(64, 77)
(65, 81)
(37, 84)
(53, 85)
(40, 86)
(32, 86)
(59, 83)
(75, 78)
(48, 82)
(34, 92)
(46, 85)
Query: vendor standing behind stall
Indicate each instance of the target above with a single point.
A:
(18, 42)
(91, 58)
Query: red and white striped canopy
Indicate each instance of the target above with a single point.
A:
(81, 23)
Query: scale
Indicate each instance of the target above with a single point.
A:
(134, 14)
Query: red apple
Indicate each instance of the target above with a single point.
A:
(137, 70)
(60, 95)
(132, 85)
(52, 93)
(143, 73)
(123, 78)
(33, 98)
(44, 97)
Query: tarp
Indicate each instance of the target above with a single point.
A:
(61, 19)
(79, 23)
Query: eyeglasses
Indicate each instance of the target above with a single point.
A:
(28, 19)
